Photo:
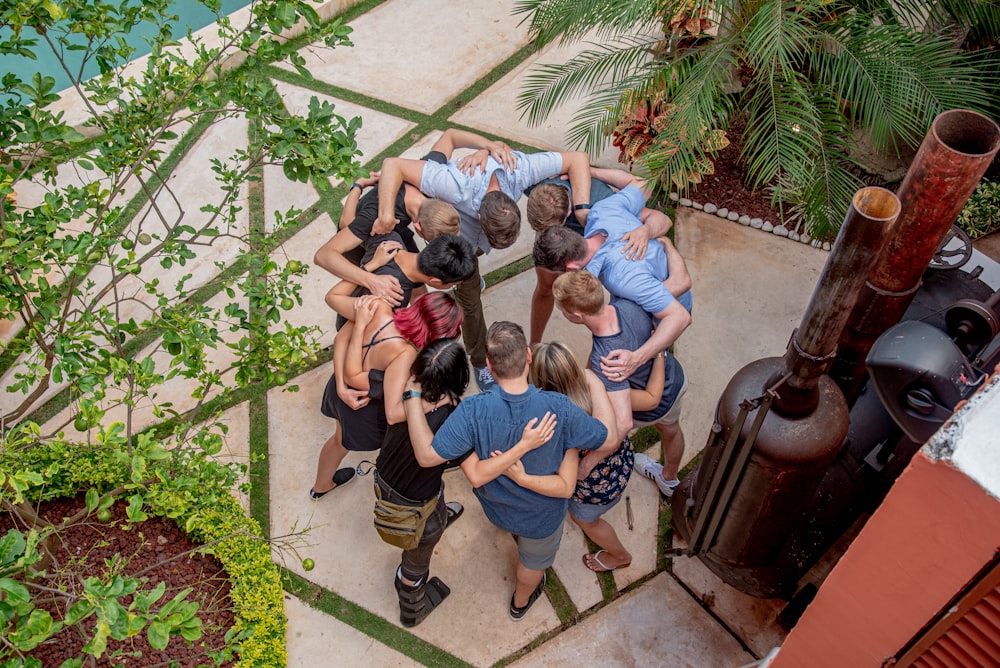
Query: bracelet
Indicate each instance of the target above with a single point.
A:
(410, 394)
(358, 186)
(579, 207)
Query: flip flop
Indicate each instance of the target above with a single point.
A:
(604, 568)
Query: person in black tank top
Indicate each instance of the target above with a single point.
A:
(443, 374)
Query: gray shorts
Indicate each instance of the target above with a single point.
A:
(673, 416)
(537, 554)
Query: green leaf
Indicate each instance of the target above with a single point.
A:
(158, 634)
(92, 499)
(11, 547)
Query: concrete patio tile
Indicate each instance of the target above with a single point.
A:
(317, 639)
(420, 53)
(236, 444)
(658, 624)
(315, 283)
(750, 291)
(495, 110)
(752, 619)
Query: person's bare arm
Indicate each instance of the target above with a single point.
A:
(679, 279)
(535, 434)
(673, 320)
(350, 209)
(619, 178)
(354, 373)
(331, 257)
(350, 396)
(542, 302)
(394, 382)
(561, 484)
(576, 165)
(340, 300)
(648, 398)
(395, 171)
(453, 138)
(614, 414)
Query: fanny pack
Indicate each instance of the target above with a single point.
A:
(398, 524)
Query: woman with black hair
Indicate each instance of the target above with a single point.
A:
(443, 374)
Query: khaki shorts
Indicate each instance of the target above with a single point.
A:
(673, 416)
(538, 554)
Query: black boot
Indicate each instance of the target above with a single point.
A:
(417, 601)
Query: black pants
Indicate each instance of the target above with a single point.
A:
(416, 563)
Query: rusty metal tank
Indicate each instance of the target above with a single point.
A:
(780, 423)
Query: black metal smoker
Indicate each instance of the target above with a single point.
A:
(791, 462)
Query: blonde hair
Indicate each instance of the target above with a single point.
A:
(554, 368)
(437, 218)
(579, 291)
(547, 206)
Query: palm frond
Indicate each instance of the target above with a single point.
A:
(606, 65)
(571, 20)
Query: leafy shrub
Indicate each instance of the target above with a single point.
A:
(981, 214)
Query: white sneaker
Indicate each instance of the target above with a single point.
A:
(484, 379)
(653, 470)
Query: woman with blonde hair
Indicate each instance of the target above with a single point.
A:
(604, 472)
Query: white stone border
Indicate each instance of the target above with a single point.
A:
(756, 223)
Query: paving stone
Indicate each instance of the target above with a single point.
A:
(456, 44)
(658, 624)
(315, 639)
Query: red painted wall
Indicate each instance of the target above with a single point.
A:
(931, 535)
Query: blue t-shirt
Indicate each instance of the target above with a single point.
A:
(638, 280)
(449, 184)
(494, 420)
(635, 326)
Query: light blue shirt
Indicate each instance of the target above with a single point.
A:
(640, 281)
(448, 183)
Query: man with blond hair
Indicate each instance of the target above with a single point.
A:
(623, 324)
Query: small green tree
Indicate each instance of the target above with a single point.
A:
(804, 75)
(109, 285)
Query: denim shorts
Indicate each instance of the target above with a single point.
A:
(589, 512)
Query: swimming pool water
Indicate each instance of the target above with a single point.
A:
(190, 13)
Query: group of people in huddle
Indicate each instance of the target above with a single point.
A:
(544, 435)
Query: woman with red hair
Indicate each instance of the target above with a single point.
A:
(372, 359)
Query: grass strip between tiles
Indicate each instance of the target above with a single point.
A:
(368, 623)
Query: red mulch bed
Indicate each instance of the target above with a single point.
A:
(156, 548)
(727, 188)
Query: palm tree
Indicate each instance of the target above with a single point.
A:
(802, 74)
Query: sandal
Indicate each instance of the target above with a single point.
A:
(340, 478)
(604, 568)
(516, 613)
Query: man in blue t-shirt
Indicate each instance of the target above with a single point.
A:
(624, 325)
(493, 422)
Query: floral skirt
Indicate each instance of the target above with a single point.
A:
(608, 479)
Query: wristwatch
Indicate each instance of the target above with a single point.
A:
(410, 394)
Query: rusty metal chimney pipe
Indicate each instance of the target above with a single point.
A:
(813, 345)
(956, 152)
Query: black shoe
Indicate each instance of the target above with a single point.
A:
(340, 478)
(516, 613)
(455, 510)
